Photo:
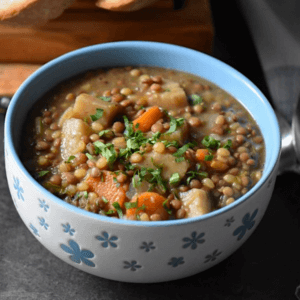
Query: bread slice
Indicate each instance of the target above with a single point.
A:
(31, 12)
(124, 5)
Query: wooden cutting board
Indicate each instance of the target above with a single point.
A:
(24, 49)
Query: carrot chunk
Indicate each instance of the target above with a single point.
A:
(201, 153)
(148, 118)
(150, 203)
(108, 188)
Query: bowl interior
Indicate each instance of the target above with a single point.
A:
(154, 54)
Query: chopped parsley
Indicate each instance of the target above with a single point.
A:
(104, 199)
(228, 144)
(196, 99)
(116, 182)
(70, 159)
(182, 150)
(106, 150)
(129, 205)
(174, 124)
(170, 144)
(175, 178)
(117, 206)
(179, 159)
(106, 133)
(97, 115)
(106, 99)
(135, 139)
(165, 206)
(195, 174)
(143, 207)
(210, 142)
(43, 173)
(208, 157)
(153, 176)
(89, 156)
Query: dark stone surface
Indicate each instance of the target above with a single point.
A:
(265, 267)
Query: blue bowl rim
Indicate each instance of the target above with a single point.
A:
(154, 45)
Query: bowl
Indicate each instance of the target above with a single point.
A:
(135, 251)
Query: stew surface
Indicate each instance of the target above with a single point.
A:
(143, 143)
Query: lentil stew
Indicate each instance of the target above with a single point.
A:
(143, 143)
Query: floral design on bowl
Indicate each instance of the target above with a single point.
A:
(68, 229)
(194, 240)
(248, 223)
(107, 240)
(147, 246)
(132, 265)
(18, 188)
(176, 261)
(78, 255)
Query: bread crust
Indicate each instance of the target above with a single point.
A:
(124, 5)
(31, 12)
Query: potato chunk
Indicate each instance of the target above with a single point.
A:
(196, 202)
(180, 135)
(86, 105)
(72, 132)
(172, 97)
(170, 166)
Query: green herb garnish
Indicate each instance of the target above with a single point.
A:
(171, 144)
(129, 205)
(43, 173)
(182, 150)
(89, 156)
(143, 207)
(106, 133)
(70, 159)
(174, 124)
(106, 150)
(104, 199)
(196, 99)
(210, 142)
(107, 99)
(208, 157)
(169, 211)
(97, 115)
(228, 144)
(117, 206)
(195, 174)
(175, 178)
(179, 159)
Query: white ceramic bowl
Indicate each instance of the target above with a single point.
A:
(135, 251)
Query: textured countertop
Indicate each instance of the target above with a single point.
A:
(265, 267)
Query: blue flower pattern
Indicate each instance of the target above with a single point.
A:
(248, 223)
(18, 188)
(229, 222)
(133, 266)
(147, 246)
(212, 257)
(176, 261)
(43, 223)
(107, 241)
(194, 240)
(78, 255)
(34, 230)
(68, 229)
(44, 205)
